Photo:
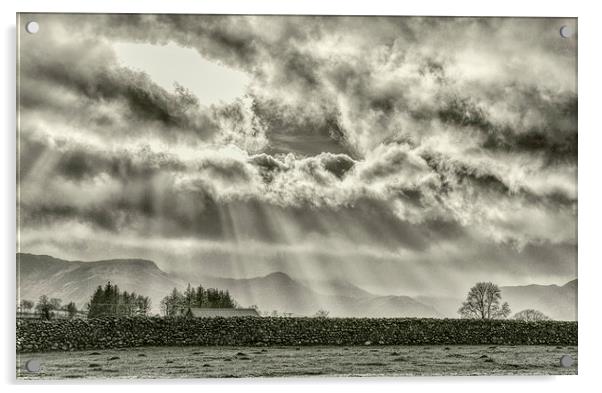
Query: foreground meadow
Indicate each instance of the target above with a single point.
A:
(244, 362)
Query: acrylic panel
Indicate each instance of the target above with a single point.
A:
(271, 196)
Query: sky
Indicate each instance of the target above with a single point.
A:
(407, 155)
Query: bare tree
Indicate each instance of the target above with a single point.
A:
(172, 303)
(143, 304)
(322, 314)
(44, 307)
(26, 305)
(531, 315)
(484, 302)
(56, 303)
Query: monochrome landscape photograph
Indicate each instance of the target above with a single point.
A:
(235, 196)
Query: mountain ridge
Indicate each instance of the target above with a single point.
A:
(76, 280)
(556, 301)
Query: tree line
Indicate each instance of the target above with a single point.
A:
(483, 301)
(46, 308)
(176, 301)
(110, 301)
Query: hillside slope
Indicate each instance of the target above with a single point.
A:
(557, 302)
(76, 281)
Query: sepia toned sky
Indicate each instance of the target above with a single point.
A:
(407, 155)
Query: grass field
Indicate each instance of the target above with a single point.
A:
(230, 362)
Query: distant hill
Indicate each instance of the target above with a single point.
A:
(557, 302)
(279, 291)
(76, 281)
(387, 306)
(338, 287)
(275, 291)
(447, 306)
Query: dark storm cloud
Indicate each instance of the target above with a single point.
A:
(96, 79)
(292, 64)
(554, 136)
(80, 162)
(291, 128)
(338, 164)
(196, 208)
(79, 83)
(416, 138)
(118, 192)
(457, 175)
(392, 162)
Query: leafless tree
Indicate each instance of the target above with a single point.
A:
(44, 307)
(26, 305)
(484, 302)
(531, 315)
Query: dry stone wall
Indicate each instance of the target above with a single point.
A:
(101, 333)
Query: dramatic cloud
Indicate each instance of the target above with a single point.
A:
(400, 146)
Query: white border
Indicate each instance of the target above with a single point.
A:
(589, 184)
(373, 7)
